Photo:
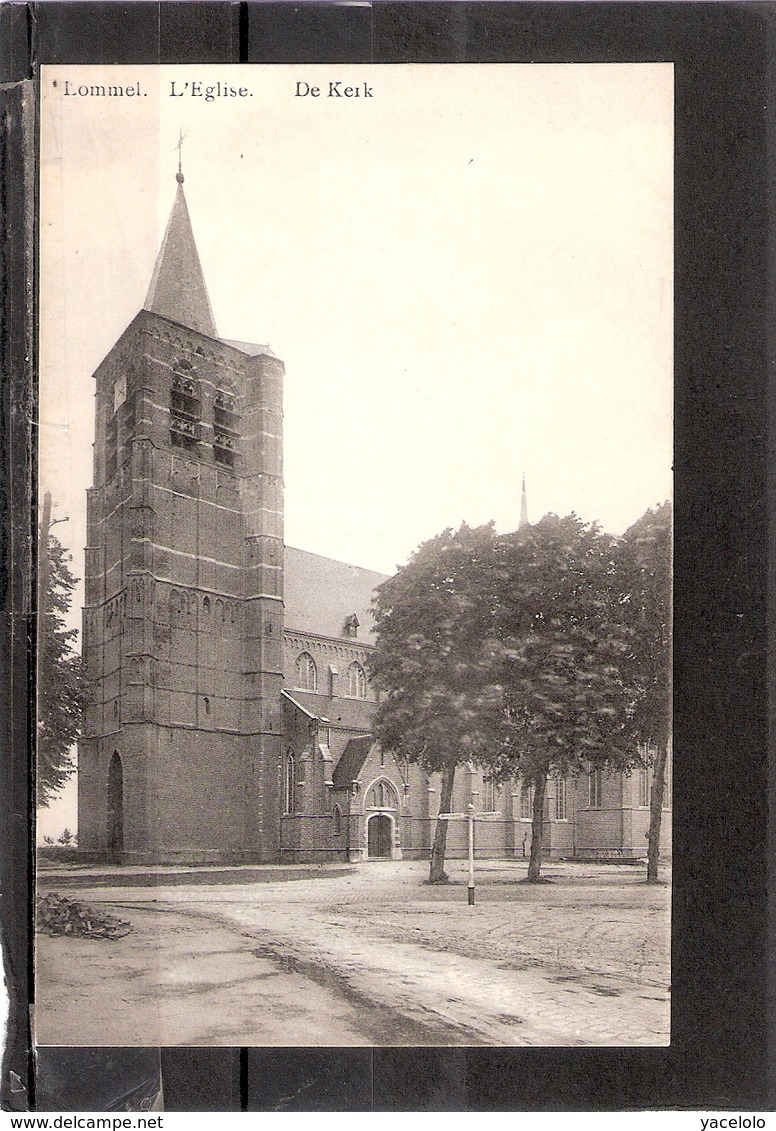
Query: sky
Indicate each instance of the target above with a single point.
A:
(468, 276)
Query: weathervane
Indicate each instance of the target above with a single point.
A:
(179, 147)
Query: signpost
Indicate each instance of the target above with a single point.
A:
(471, 817)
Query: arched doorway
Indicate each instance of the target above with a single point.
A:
(115, 809)
(379, 837)
(381, 808)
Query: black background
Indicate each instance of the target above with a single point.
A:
(723, 305)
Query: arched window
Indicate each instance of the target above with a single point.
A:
(644, 788)
(337, 815)
(206, 606)
(226, 428)
(488, 795)
(185, 408)
(306, 672)
(594, 790)
(526, 802)
(289, 799)
(356, 681)
(382, 795)
(561, 806)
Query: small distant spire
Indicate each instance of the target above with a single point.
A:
(179, 175)
(523, 508)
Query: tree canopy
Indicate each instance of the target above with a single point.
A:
(532, 653)
(61, 686)
(434, 662)
(645, 565)
(568, 698)
(440, 700)
(644, 556)
(564, 642)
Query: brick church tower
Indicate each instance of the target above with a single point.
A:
(183, 617)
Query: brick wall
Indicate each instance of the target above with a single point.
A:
(183, 616)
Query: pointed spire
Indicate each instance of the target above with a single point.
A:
(523, 508)
(178, 289)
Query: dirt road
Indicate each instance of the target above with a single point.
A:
(369, 957)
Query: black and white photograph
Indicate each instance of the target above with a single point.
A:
(355, 528)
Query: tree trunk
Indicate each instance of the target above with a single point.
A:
(537, 827)
(656, 812)
(437, 874)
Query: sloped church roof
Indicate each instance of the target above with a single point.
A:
(319, 593)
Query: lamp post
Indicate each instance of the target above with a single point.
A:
(470, 767)
(470, 815)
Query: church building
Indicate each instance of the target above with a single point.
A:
(231, 706)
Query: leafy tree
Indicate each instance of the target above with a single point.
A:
(436, 658)
(645, 567)
(525, 653)
(61, 685)
(567, 694)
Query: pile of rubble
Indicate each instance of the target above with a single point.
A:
(57, 915)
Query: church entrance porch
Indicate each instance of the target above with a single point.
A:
(379, 837)
(380, 830)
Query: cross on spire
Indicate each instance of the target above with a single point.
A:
(179, 147)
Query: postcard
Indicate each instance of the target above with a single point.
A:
(356, 399)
